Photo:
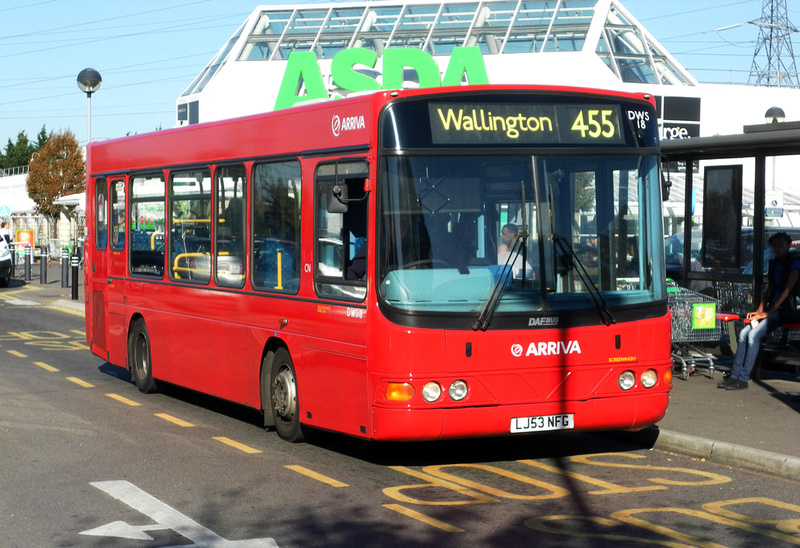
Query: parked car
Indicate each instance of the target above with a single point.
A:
(5, 263)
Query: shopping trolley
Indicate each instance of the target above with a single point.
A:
(694, 320)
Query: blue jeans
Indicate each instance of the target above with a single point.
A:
(749, 343)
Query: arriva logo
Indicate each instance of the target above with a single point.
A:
(348, 123)
(550, 348)
(302, 67)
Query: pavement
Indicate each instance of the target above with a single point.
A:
(756, 429)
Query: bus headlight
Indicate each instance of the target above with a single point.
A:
(626, 380)
(431, 392)
(649, 378)
(458, 390)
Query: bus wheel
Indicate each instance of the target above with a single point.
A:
(139, 358)
(283, 395)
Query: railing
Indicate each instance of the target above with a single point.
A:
(10, 171)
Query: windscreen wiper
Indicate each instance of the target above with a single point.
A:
(490, 306)
(570, 259)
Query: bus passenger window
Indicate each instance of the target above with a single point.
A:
(230, 220)
(276, 226)
(190, 226)
(146, 224)
(341, 230)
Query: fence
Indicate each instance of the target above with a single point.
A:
(50, 237)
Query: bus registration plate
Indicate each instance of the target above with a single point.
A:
(543, 423)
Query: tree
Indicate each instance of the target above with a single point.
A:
(19, 153)
(56, 170)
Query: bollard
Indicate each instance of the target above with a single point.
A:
(43, 267)
(75, 262)
(27, 263)
(64, 267)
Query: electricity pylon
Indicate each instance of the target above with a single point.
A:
(773, 59)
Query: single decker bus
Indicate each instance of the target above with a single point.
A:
(404, 265)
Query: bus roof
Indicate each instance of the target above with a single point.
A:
(346, 124)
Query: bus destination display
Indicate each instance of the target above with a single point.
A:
(522, 124)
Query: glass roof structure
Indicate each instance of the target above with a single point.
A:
(498, 27)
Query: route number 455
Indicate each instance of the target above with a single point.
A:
(595, 123)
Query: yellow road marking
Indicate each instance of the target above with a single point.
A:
(314, 475)
(124, 400)
(17, 354)
(78, 332)
(174, 420)
(408, 512)
(237, 445)
(79, 382)
(46, 367)
(68, 310)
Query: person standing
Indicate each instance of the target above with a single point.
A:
(5, 232)
(784, 271)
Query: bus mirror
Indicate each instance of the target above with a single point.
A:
(337, 198)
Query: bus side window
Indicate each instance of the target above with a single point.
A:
(190, 225)
(276, 226)
(146, 224)
(230, 220)
(341, 230)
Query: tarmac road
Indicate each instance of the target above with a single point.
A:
(756, 429)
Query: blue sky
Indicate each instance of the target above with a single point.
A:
(148, 51)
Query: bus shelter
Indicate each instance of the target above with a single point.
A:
(722, 178)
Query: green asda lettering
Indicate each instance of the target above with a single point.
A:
(303, 68)
(481, 120)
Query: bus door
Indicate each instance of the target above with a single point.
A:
(97, 270)
(116, 322)
(340, 275)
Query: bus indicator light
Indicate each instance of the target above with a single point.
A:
(399, 391)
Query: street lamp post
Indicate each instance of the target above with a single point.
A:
(89, 81)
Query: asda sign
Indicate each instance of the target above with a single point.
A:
(303, 67)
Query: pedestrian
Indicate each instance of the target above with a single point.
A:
(772, 312)
(5, 232)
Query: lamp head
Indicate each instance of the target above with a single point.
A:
(89, 81)
(774, 115)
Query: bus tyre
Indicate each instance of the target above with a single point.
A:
(283, 397)
(139, 358)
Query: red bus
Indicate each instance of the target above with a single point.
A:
(405, 265)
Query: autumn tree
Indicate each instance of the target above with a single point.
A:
(56, 170)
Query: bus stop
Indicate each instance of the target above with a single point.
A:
(742, 181)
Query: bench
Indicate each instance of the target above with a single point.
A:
(781, 347)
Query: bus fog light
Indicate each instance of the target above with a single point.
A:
(431, 392)
(458, 390)
(399, 391)
(627, 380)
(649, 378)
